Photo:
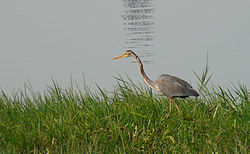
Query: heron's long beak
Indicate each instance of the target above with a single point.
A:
(117, 57)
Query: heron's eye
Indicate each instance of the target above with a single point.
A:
(127, 55)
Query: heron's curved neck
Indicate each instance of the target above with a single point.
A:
(145, 77)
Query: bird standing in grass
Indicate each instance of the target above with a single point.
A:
(169, 85)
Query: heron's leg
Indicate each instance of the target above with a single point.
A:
(170, 106)
(178, 110)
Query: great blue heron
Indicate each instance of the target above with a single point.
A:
(169, 85)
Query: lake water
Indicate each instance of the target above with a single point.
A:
(66, 39)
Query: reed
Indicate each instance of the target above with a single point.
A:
(129, 119)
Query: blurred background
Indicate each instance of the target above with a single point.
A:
(71, 39)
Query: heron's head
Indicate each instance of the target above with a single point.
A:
(126, 54)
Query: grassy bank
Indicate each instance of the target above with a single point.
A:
(129, 119)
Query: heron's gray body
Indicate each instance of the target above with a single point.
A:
(174, 87)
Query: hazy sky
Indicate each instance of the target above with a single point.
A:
(59, 38)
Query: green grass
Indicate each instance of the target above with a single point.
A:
(130, 119)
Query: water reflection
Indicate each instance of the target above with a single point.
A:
(138, 25)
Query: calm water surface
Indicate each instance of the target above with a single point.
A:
(139, 27)
(66, 39)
